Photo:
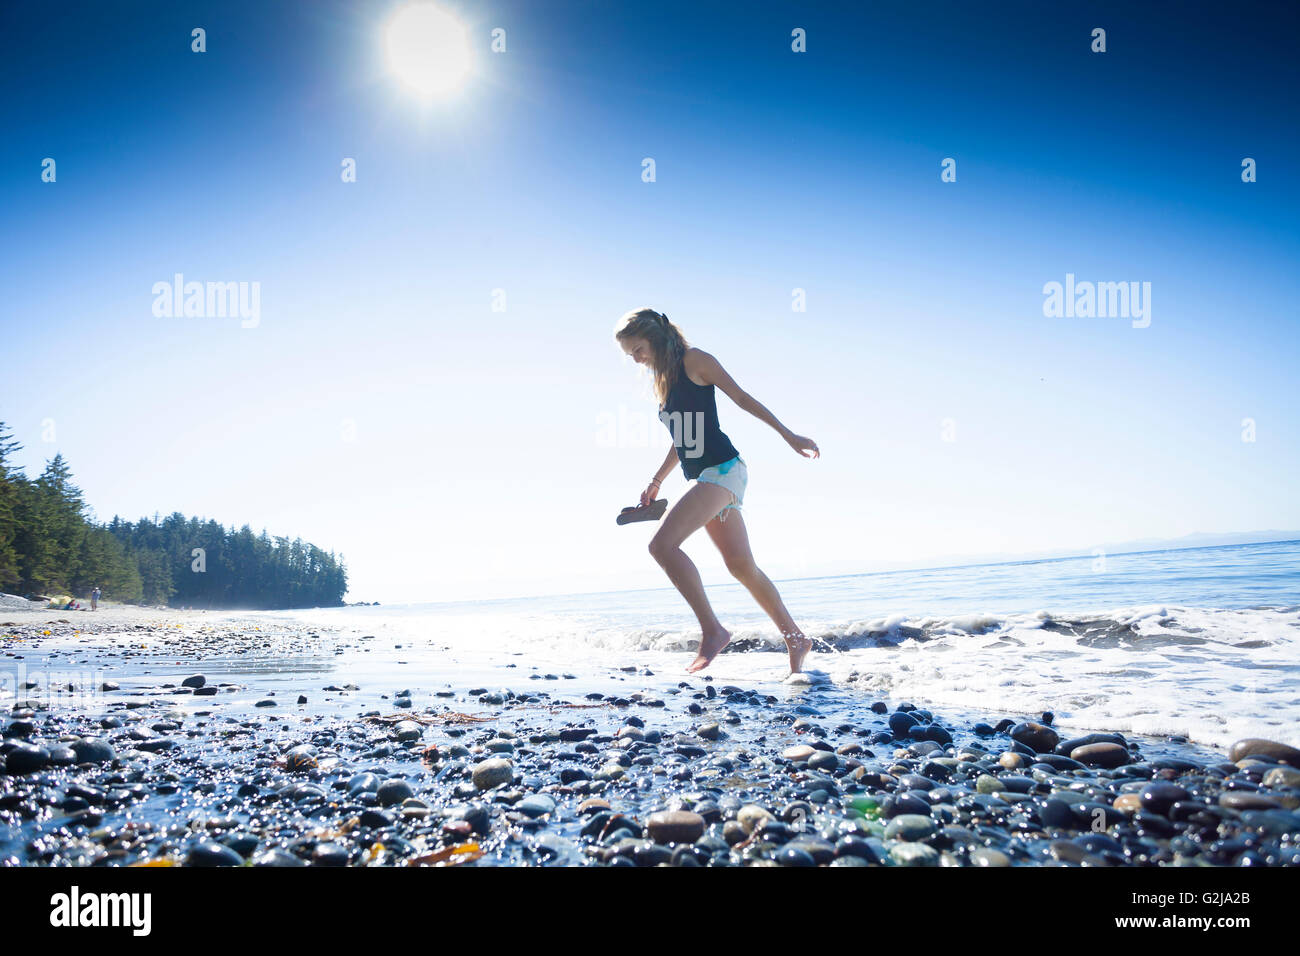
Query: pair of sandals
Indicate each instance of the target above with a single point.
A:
(651, 512)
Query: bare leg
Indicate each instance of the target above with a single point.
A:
(691, 512)
(732, 539)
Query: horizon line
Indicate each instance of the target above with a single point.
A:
(857, 574)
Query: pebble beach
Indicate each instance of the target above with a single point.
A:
(151, 737)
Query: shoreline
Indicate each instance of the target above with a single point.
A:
(616, 765)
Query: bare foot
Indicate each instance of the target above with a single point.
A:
(799, 647)
(710, 645)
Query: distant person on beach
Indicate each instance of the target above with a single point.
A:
(684, 380)
(94, 599)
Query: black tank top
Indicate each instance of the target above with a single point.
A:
(691, 417)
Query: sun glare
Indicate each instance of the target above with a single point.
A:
(427, 48)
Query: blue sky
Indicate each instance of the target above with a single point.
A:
(380, 407)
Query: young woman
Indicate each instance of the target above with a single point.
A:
(684, 380)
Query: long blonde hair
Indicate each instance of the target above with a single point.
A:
(667, 345)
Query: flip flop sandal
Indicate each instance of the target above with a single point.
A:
(651, 512)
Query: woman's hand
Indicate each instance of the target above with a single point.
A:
(803, 445)
(650, 495)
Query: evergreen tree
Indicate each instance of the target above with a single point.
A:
(10, 481)
(50, 542)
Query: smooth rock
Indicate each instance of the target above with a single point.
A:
(1282, 777)
(1101, 755)
(1259, 747)
(93, 750)
(26, 758)
(1128, 803)
(408, 730)
(824, 760)
(208, 853)
(1038, 737)
(751, 815)
(1248, 800)
(910, 827)
(914, 854)
(492, 773)
(393, 791)
(536, 805)
(675, 826)
(1157, 797)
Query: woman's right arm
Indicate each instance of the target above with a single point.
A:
(652, 490)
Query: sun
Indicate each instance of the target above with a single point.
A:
(427, 48)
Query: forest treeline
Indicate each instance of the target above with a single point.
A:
(50, 546)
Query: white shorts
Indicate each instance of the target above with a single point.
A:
(732, 475)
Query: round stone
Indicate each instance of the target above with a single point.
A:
(208, 853)
(1159, 796)
(93, 750)
(910, 827)
(751, 815)
(536, 805)
(1128, 803)
(1101, 755)
(1016, 783)
(1056, 814)
(914, 854)
(492, 773)
(393, 791)
(329, 854)
(800, 752)
(20, 728)
(794, 856)
(907, 801)
(1258, 747)
(868, 850)
(408, 730)
(26, 758)
(197, 680)
(987, 856)
(823, 760)
(901, 723)
(376, 819)
(300, 759)
(1247, 800)
(1067, 852)
(1037, 737)
(363, 783)
(277, 857)
(675, 826)
(1282, 777)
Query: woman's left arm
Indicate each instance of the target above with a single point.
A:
(710, 369)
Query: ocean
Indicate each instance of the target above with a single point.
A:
(1197, 642)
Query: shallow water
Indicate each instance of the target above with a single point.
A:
(1215, 660)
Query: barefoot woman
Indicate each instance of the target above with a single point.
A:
(684, 380)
